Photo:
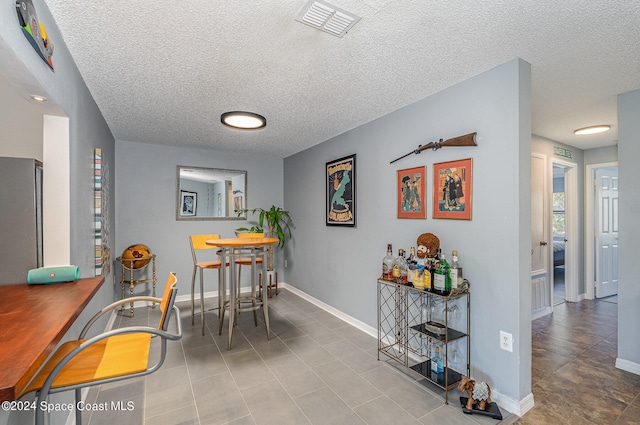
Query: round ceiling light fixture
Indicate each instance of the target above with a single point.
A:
(38, 98)
(594, 129)
(243, 120)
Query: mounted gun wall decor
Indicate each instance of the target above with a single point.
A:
(466, 140)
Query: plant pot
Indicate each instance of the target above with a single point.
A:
(270, 282)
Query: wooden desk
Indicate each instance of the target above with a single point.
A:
(231, 248)
(33, 320)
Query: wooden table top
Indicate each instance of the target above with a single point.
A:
(33, 320)
(242, 242)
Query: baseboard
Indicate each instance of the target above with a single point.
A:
(541, 313)
(628, 366)
(511, 405)
(370, 330)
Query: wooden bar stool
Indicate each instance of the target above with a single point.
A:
(198, 245)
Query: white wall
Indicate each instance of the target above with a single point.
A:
(629, 266)
(339, 266)
(56, 196)
(146, 185)
(20, 125)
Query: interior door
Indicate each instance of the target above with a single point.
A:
(540, 290)
(606, 235)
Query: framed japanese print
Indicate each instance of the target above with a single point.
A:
(341, 191)
(412, 190)
(452, 189)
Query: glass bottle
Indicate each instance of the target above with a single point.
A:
(387, 264)
(456, 271)
(412, 263)
(400, 268)
(437, 365)
(442, 277)
(429, 270)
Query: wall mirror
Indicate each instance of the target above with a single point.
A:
(210, 193)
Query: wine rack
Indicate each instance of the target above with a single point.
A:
(411, 322)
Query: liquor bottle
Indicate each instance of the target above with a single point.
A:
(412, 263)
(442, 277)
(430, 266)
(437, 365)
(426, 279)
(400, 268)
(387, 264)
(456, 271)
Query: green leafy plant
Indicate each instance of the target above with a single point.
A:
(276, 219)
(252, 229)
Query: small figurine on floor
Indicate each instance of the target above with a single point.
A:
(478, 392)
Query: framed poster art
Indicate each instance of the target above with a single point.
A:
(341, 192)
(452, 189)
(412, 191)
(188, 203)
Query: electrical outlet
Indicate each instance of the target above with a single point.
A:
(506, 341)
(285, 263)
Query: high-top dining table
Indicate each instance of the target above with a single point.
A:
(230, 250)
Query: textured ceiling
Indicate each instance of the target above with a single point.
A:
(163, 71)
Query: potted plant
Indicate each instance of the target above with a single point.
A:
(276, 219)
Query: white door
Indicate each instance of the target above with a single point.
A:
(606, 235)
(540, 290)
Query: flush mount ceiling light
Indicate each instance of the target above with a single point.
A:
(327, 17)
(243, 120)
(38, 98)
(594, 129)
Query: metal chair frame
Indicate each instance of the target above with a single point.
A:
(161, 331)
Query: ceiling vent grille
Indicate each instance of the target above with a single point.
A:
(327, 17)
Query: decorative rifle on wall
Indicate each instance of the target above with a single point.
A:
(466, 140)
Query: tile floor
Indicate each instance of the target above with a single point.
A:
(317, 369)
(574, 379)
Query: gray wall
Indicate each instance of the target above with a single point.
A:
(146, 185)
(87, 131)
(339, 266)
(601, 155)
(629, 266)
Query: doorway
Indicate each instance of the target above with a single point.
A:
(564, 232)
(558, 229)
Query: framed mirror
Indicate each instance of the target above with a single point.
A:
(210, 193)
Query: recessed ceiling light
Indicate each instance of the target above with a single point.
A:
(38, 98)
(594, 129)
(243, 120)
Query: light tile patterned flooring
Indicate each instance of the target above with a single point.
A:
(315, 369)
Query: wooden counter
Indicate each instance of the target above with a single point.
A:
(33, 320)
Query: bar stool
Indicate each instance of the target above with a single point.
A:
(198, 244)
(246, 261)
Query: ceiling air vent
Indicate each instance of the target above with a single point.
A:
(327, 17)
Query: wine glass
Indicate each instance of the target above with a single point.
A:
(456, 357)
(434, 309)
(452, 312)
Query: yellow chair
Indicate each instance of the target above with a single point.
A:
(198, 245)
(115, 355)
(247, 262)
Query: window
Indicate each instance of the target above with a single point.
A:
(558, 213)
